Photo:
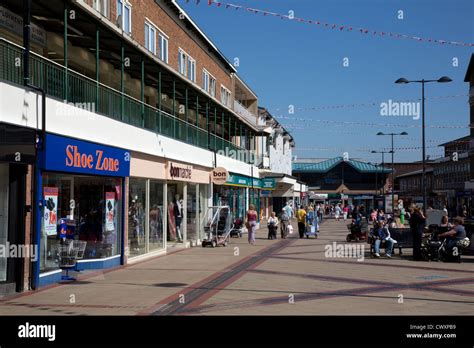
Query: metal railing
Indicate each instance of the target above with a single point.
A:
(94, 96)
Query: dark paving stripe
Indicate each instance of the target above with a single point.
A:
(364, 263)
(175, 307)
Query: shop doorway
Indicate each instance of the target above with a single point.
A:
(175, 212)
(3, 217)
(12, 225)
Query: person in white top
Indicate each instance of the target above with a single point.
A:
(272, 226)
(338, 212)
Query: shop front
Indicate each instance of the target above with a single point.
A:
(79, 193)
(239, 191)
(17, 159)
(166, 202)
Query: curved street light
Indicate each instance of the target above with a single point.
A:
(442, 79)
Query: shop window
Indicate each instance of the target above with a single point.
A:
(156, 215)
(4, 184)
(88, 208)
(136, 217)
(191, 209)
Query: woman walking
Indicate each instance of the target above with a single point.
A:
(251, 223)
(272, 226)
(417, 225)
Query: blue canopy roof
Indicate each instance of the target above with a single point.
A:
(327, 165)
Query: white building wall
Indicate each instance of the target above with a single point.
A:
(23, 108)
(280, 155)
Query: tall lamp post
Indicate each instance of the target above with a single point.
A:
(393, 181)
(403, 80)
(383, 168)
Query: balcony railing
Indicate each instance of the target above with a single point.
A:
(245, 113)
(82, 90)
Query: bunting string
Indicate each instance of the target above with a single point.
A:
(339, 27)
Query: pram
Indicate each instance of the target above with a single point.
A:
(216, 226)
(237, 228)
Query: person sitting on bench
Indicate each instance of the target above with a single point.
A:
(382, 234)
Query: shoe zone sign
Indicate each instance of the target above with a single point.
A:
(65, 154)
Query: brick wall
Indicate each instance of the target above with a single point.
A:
(178, 38)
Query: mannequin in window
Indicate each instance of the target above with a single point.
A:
(178, 215)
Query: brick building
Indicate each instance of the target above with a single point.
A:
(140, 84)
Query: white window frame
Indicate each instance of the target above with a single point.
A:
(101, 6)
(205, 80)
(189, 63)
(125, 4)
(165, 39)
(210, 78)
(151, 28)
(228, 94)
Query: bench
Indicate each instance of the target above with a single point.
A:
(403, 236)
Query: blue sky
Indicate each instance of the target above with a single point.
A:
(290, 63)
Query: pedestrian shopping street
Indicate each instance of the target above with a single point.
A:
(274, 277)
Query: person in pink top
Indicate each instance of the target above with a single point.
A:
(345, 211)
(251, 223)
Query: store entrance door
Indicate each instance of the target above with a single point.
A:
(3, 217)
(175, 212)
(12, 224)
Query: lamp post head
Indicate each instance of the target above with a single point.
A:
(380, 133)
(403, 133)
(402, 80)
(444, 79)
(373, 151)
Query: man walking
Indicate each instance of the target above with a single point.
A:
(284, 219)
(301, 217)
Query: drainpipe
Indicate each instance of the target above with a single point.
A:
(35, 233)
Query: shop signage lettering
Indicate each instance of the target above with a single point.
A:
(78, 156)
(75, 159)
(179, 172)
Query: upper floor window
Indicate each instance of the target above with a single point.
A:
(225, 96)
(150, 37)
(186, 65)
(208, 83)
(163, 45)
(124, 15)
(102, 6)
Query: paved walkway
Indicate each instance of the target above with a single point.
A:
(279, 277)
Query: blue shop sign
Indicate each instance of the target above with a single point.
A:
(71, 155)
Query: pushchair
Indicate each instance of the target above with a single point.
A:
(237, 228)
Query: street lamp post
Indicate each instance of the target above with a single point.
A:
(393, 180)
(403, 80)
(383, 168)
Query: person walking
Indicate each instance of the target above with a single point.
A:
(417, 225)
(402, 215)
(301, 217)
(272, 226)
(338, 211)
(251, 223)
(284, 219)
(345, 212)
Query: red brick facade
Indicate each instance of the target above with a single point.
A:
(143, 10)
